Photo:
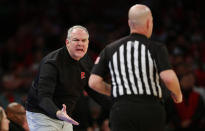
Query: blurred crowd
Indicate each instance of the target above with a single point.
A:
(32, 28)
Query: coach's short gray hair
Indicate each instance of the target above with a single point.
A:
(74, 27)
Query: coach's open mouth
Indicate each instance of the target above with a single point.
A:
(80, 50)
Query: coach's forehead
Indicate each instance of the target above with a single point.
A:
(78, 31)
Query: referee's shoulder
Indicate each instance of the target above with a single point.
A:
(117, 42)
(156, 43)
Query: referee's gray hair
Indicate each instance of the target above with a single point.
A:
(74, 27)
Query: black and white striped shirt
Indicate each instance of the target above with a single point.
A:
(134, 63)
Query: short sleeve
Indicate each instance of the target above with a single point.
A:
(101, 64)
(162, 58)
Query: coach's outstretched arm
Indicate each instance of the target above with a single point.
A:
(62, 115)
(172, 83)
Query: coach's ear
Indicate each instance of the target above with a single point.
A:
(66, 41)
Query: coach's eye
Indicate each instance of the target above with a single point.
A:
(75, 40)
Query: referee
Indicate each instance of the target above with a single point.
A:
(136, 66)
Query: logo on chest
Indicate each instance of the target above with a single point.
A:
(82, 75)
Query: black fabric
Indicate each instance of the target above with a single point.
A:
(158, 52)
(134, 63)
(147, 57)
(60, 81)
(138, 114)
(102, 59)
(15, 127)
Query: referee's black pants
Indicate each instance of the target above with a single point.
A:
(141, 114)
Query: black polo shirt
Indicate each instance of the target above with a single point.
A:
(60, 80)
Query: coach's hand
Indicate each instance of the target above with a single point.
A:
(62, 115)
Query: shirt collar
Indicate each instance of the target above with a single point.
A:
(138, 35)
(68, 55)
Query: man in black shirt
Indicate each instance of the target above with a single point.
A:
(136, 66)
(62, 76)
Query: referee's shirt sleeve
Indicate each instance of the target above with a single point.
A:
(101, 64)
(162, 58)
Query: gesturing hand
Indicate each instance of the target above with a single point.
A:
(62, 115)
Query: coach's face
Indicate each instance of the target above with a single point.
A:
(78, 44)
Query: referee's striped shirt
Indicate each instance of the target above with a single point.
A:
(134, 63)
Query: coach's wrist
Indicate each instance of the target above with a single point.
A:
(58, 113)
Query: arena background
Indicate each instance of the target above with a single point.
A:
(30, 29)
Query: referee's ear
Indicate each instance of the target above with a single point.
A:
(131, 25)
